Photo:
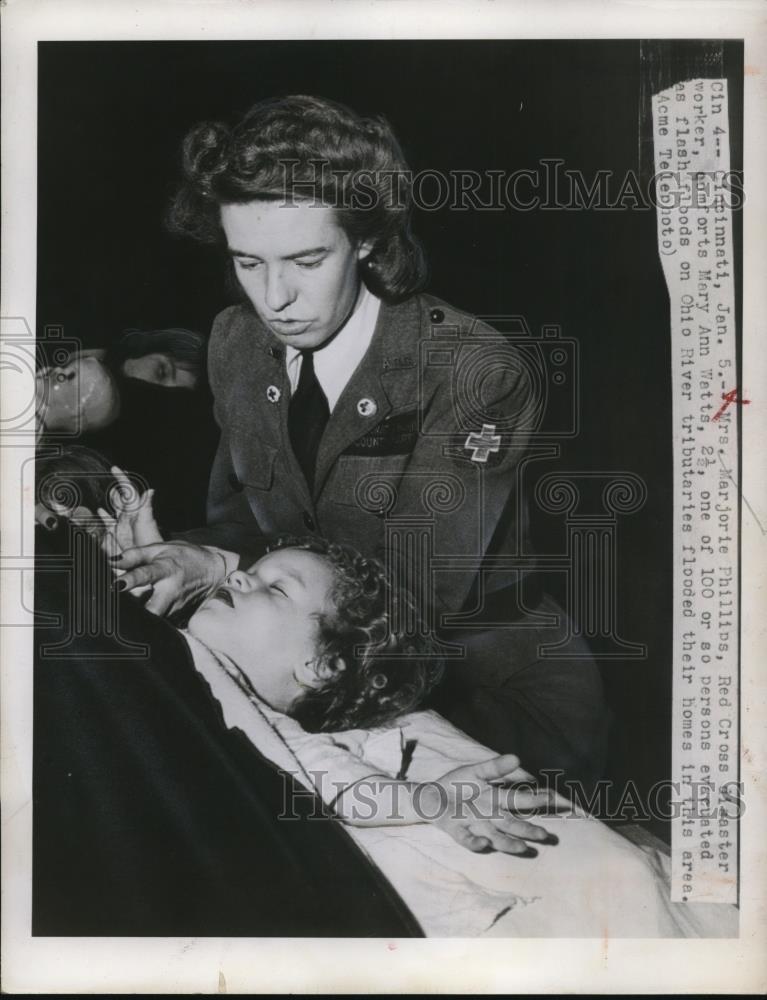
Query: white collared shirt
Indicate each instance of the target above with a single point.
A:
(335, 364)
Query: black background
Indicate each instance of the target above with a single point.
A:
(111, 119)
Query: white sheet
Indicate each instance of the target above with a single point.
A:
(593, 883)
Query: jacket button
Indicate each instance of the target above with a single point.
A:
(235, 483)
(309, 521)
(436, 315)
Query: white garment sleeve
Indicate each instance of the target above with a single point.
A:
(325, 762)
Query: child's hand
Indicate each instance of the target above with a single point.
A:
(471, 805)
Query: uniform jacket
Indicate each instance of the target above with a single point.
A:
(396, 449)
(422, 453)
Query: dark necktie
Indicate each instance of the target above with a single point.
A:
(307, 415)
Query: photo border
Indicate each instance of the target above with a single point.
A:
(211, 965)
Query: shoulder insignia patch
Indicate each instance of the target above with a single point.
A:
(484, 446)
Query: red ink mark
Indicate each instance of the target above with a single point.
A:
(728, 397)
(391, 946)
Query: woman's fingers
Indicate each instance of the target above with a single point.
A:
(138, 577)
(44, 516)
(162, 600)
(136, 525)
(125, 533)
(146, 531)
(177, 571)
(141, 556)
(126, 498)
(108, 520)
(108, 541)
(149, 566)
(120, 476)
(124, 488)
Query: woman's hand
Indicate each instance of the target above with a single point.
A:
(79, 515)
(45, 516)
(134, 524)
(472, 806)
(177, 572)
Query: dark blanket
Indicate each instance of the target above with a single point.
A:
(150, 817)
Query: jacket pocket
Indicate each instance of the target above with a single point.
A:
(366, 482)
(254, 471)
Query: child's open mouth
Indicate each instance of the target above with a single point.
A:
(222, 594)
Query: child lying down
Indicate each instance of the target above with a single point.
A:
(309, 631)
(307, 636)
(292, 651)
(314, 613)
(294, 645)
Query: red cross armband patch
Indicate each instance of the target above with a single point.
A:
(483, 444)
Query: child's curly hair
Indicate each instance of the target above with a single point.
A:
(376, 670)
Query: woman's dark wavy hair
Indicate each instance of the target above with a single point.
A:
(307, 148)
(375, 670)
(187, 348)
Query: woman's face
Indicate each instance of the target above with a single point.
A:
(77, 397)
(296, 265)
(266, 622)
(160, 369)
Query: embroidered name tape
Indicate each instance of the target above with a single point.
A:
(398, 363)
(395, 436)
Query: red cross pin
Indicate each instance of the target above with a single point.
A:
(481, 445)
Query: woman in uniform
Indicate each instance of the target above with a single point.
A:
(356, 407)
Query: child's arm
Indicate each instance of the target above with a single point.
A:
(468, 803)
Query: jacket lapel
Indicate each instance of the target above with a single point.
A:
(260, 410)
(262, 388)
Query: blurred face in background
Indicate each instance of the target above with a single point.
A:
(77, 397)
(160, 369)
